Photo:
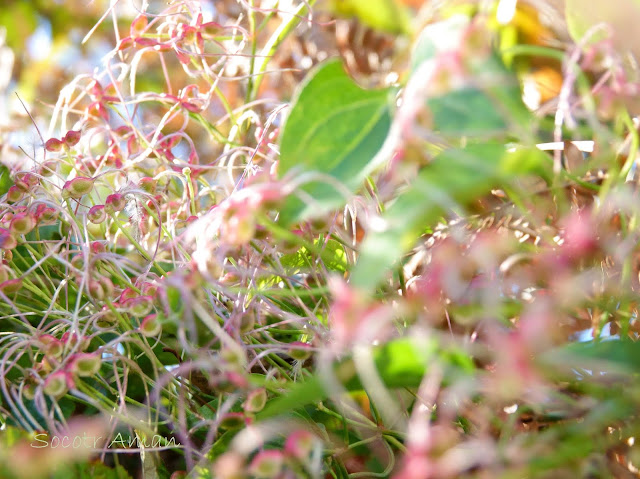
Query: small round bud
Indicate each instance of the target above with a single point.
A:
(107, 318)
(115, 202)
(97, 247)
(233, 420)
(97, 214)
(15, 194)
(150, 326)
(266, 464)
(4, 273)
(86, 364)
(48, 168)
(299, 444)
(300, 351)
(78, 187)
(71, 138)
(46, 216)
(11, 286)
(256, 400)
(51, 346)
(7, 240)
(138, 26)
(140, 306)
(148, 184)
(127, 293)
(54, 145)
(57, 384)
(22, 223)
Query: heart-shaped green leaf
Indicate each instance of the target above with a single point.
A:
(335, 128)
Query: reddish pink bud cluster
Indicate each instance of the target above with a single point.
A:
(77, 187)
(68, 141)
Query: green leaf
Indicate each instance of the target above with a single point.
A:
(401, 363)
(387, 15)
(5, 180)
(335, 128)
(456, 176)
(453, 179)
(491, 103)
(467, 112)
(20, 19)
(610, 355)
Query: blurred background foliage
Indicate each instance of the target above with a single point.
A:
(45, 38)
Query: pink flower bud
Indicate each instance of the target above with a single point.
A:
(54, 145)
(72, 138)
(96, 290)
(233, 420)
(4, 273)
(107, 318)
(256, 400)
(299, 444)
(48, 168)
(148, 184)
(107, 286)
(300, 351)
(230, 382)
(11, 286)
(46, 216)
(97, 214)
(140, 306)
(97, 110)
(266, 464)
(54, 349)
(51, 345)
(78, 261)
(29, 391)
(71, 339)
(15, 194)
(115, 202)
(7, 240)
(138, 26)
(150, 326)
(229, 465)
(127, 293)
(125, 43)
(78, 187)
(97, 247)
(148, 289)
(86, 364)
(57, 384)
(30, 180)
(23, 185)
(22, 223)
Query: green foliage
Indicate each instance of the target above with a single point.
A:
(304, 290)
(400, 363)
(5, 179)
(490, 102)
(335, 128)
(452, 180)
